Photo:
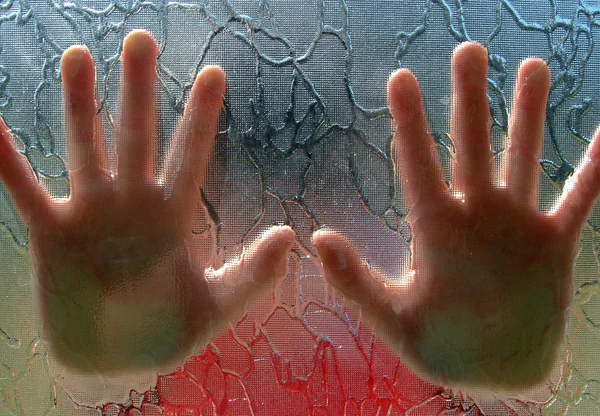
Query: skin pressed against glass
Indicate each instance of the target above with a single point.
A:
(238, 210)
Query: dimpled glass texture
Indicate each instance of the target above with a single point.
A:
(305, 141)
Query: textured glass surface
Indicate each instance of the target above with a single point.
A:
(305, 141)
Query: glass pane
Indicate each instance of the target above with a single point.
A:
(306, 142)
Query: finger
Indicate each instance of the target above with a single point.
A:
(137, 131)
(78, 75)
(30, 198)
(259, 268)
(526, 131)
(345, 271)
(417, 161)
(86, 148)
(581, 190)
(193, 144)
(100, 142)
(470, 118)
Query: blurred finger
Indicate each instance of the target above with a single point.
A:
(136, 134)
(345, 271)
(30, 198)
(257, 271)
(100, 143)
(193, 144)
(470, 119)
(417, 161)
(86, 147)
(526, 131)
(78, 75)
(581, 190)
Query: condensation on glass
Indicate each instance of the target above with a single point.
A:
(305, 141)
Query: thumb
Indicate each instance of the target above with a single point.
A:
(259, 267)
(344, 270)
(383, 307)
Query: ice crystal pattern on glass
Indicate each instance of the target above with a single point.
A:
(305, 141)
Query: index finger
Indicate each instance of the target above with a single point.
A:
(417, 161)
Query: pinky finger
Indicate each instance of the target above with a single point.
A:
(581, 191)
(18, 177)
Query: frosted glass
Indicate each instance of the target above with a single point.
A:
(305, 142)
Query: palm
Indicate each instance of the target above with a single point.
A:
(491, 276)
(107, 277)
(117, 286)
(501, 239)
(494, 286)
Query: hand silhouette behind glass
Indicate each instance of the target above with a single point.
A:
(491, 282)
(116, 286)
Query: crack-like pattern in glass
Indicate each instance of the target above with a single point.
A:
(306, 141)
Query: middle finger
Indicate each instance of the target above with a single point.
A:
(470, 119)
(135, 139)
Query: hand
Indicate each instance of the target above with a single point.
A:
(117, 288)
(491, 276)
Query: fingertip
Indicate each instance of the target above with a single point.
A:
(533, 65)
(268, 252)
(470, 52)
(399, 75)
(402, 81)
(285, 233)
(335, 251)
(139, 45)
(279, 239)
(324, 236)
(76, 62)
(533, 73)
(213, 77)
(470, 64)
(207, 93)
(404, 95)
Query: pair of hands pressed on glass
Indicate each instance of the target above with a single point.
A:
(491, 277)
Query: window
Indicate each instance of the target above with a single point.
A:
(306, 141)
